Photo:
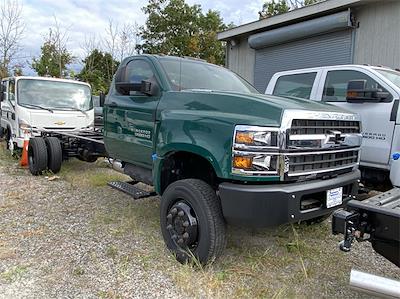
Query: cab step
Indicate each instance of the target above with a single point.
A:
(131, 189)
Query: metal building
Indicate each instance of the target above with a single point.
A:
(327, 33)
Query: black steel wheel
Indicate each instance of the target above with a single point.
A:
(37, 155)
(192, 224)
(54, 154)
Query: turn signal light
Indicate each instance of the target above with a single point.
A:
(244, 137)
(242, 162)
(352, 94)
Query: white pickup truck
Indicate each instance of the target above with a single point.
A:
(41, 103)
(373, 92)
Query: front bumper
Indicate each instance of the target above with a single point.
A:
(271, 205)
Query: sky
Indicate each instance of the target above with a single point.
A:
(90, 17)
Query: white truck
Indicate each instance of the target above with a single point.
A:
(41, 103)
(371, 91)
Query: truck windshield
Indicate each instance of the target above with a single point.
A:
(54, 94)
(185, 74)
(393, 76)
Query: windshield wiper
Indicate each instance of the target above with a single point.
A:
(37, 106)
(71, 108)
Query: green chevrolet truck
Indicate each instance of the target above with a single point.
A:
(216, 150)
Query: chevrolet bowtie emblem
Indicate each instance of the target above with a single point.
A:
(60, 123)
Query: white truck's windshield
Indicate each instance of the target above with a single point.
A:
(54, 95)
(392, 76)
(185, 74)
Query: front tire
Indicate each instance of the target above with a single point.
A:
(192, 223)
(54, 154)
(37, 155)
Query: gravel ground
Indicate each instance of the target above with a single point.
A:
(52, 244)
(74, 237)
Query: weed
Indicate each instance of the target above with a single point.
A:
(78, 271)
(112, 252)
(14, 273)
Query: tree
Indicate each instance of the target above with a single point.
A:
(120, 42)
(175, 28)
(96, 70)
(54, 56)
(274, 7)
(11, 32)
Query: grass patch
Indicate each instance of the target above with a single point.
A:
(83, 174)
(78, 271)
(14, 274)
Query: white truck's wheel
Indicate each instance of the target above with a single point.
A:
(54, 154)
(37, 155)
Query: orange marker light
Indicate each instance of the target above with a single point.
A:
(244, 137)
(242, 162)
(352, 94)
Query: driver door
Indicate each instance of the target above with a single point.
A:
(130, 119)
(8, 105)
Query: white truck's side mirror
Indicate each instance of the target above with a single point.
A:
(357, 92)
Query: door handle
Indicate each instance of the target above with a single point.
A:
(112, 105)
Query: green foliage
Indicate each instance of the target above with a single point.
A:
(97, 70)
(275, 7)
(175, 28)
(53, 59)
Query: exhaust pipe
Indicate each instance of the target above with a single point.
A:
(374, 285)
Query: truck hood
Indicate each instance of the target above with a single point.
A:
(239, 108)
(60, 120)
(291, 103)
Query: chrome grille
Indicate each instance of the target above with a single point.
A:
(312, 126)
(308, 163)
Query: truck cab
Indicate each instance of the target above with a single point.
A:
(40, 103)
(218, 151)
(380, 116)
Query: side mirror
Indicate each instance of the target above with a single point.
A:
(122, 86)
(357, 92)
(2, 90)
(150, 87)
(102, 99)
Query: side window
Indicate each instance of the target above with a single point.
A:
(11, 91)
(335, 88)
(297, 85)
(137, 71)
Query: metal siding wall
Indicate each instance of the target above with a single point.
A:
(241, 60)
(378, 37)
(328, 49)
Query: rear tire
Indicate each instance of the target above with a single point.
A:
(192, 223)
(54, 154)
(37, 155)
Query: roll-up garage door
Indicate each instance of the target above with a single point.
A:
(318, 42)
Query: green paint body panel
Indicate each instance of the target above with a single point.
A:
(199, 122)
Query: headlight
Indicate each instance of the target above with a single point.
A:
(255, 151)
(24, 126)
(258, 137)
(255, 163)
